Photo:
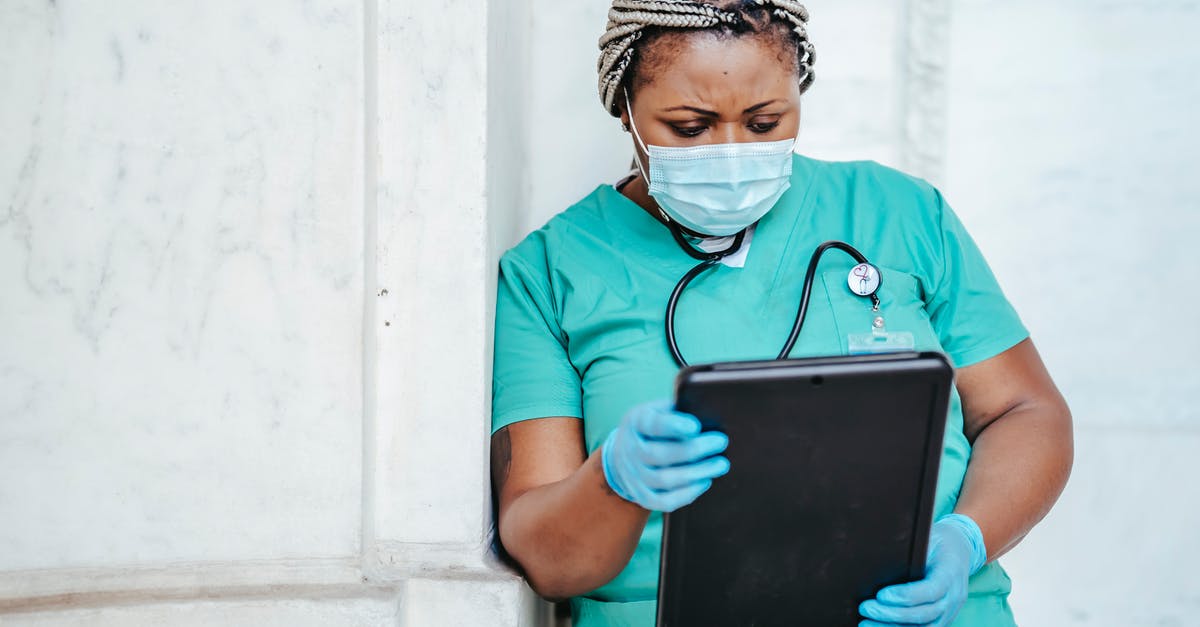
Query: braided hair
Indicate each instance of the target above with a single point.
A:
(630, 20)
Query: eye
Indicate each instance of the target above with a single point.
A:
(688, 131)
(763, 128)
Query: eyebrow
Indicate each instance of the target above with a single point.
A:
(714, 114)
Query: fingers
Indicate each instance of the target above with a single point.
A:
(660, 459)
(668, 489)
(675, 452)
(676, 477)
(927, 590)
(907, 615)
(921, 602)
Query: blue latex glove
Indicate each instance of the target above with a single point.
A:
(659, 459)
(956, 551)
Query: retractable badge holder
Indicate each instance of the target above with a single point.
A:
(864, 280)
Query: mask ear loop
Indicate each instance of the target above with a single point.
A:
(638, 137)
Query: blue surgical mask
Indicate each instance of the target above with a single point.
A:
(717, 189)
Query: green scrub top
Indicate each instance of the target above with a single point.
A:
(580, 306)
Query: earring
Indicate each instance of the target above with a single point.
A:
(625, 126)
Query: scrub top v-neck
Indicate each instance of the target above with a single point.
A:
(580, 306)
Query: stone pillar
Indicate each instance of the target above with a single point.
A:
(247, 253)
(445, 155)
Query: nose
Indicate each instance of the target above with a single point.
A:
(727, 132)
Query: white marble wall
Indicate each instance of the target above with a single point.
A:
(239, 380)
(181, 259)
(1073, 155)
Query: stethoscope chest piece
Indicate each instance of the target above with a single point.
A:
(864, 279)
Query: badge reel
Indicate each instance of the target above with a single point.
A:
(864, 280)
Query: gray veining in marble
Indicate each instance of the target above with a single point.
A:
(181, 268)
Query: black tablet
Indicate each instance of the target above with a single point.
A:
(829, 497)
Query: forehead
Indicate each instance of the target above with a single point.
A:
(709, 67)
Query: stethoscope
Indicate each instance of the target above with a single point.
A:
(864, 280)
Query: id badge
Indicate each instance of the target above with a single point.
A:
(880, 340)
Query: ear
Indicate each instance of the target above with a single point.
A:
(623, 103)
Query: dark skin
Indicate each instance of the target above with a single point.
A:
(557, 516)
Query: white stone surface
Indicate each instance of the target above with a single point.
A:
(855, 107)
(204, 418)
(429, 603)
(1120, 547)
(181, 261)
(434, 275)
(1073, 157)
(573, 143)
(1073, 144)
(371, 612)
(44, 588)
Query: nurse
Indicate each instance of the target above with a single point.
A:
(587, 454)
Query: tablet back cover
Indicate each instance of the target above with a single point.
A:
(830, 493)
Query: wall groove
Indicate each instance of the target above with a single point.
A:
(371, 288)
(68, 587)
(926, 61)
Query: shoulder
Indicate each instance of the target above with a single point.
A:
(542, 249)
(871, 180)
(870, 193)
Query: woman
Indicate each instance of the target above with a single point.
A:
(586, 455)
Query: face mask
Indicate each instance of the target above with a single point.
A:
(717, 189)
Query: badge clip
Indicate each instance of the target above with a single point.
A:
(880, 340)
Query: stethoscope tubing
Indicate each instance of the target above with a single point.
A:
(709, 260)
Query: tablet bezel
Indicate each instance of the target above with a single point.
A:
(921, 368)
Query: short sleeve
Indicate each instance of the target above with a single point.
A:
(532, 376)
(973, 319)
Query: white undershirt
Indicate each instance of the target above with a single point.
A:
(713, 244)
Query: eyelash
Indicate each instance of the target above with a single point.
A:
(694, 131)
(689, 131)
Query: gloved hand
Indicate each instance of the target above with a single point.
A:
(956, 551)
(659, 459)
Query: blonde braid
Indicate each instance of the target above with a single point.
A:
(628, 19)
(794, 13)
